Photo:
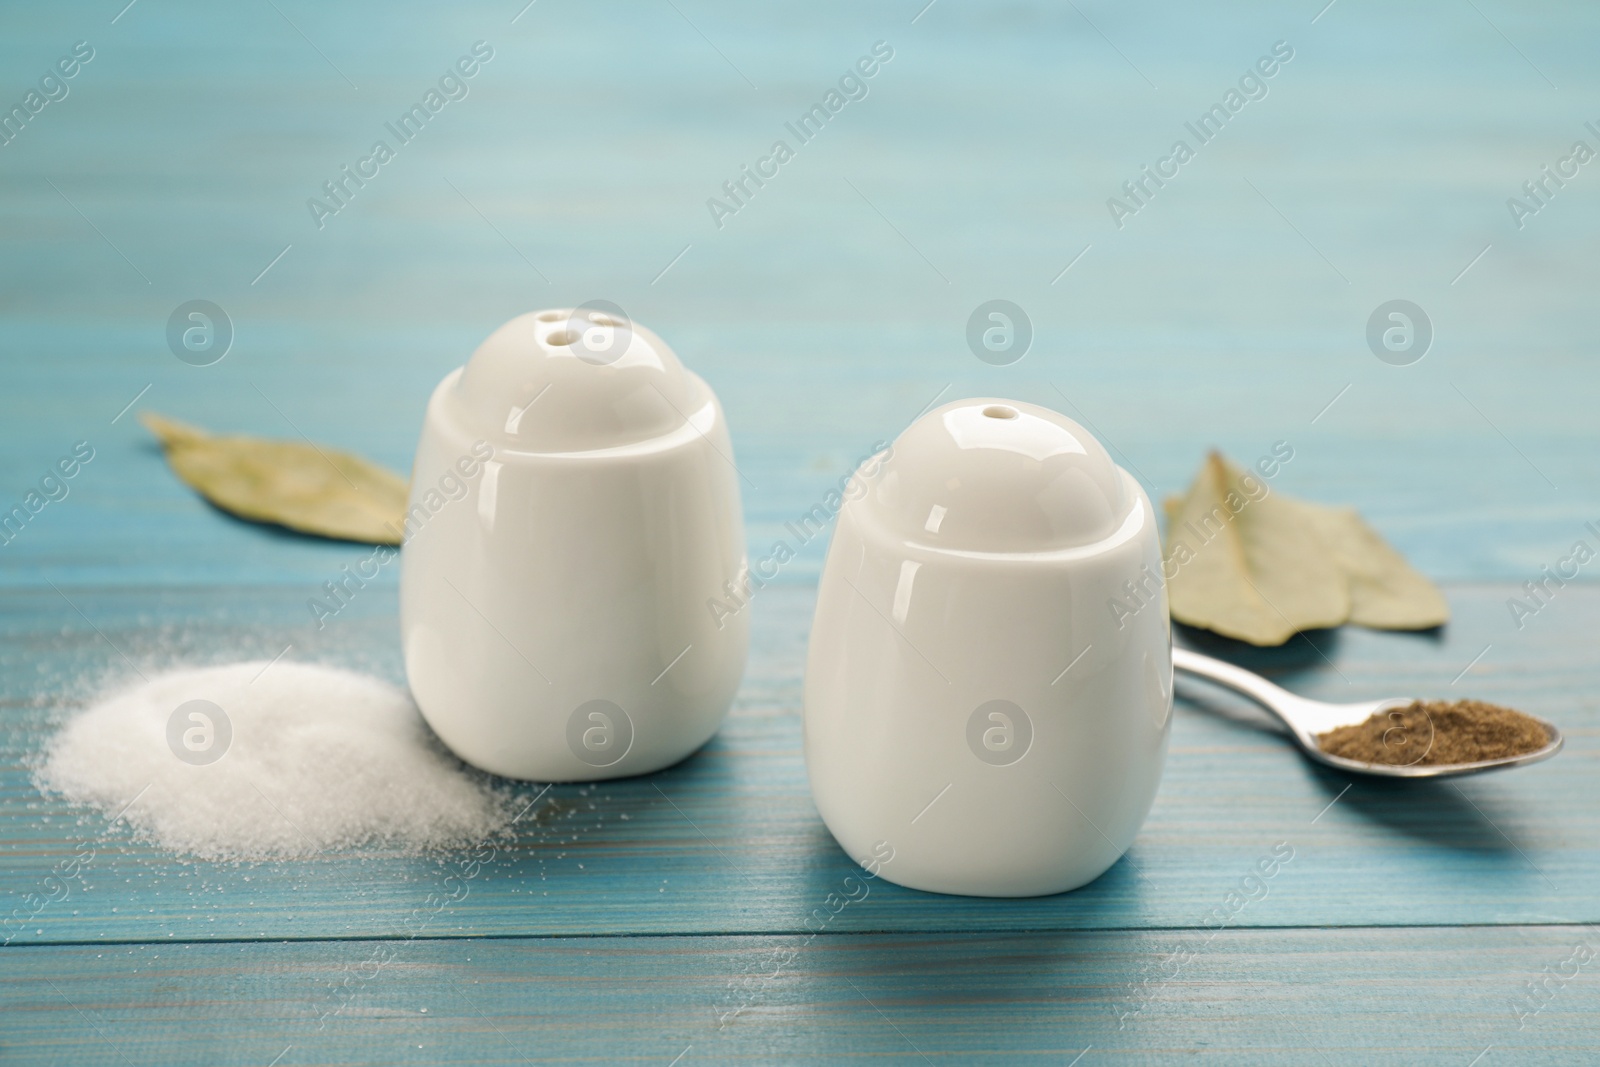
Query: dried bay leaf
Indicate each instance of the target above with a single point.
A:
(1386, 592)
(1259, 566)
(1245, 563)
(301, 486)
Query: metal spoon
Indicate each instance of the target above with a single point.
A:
(1308, 718)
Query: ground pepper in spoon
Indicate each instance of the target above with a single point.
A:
(1434, 739)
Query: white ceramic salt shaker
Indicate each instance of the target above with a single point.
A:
(574, 507)
(989, 682)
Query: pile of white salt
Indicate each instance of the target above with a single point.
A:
(302, 759)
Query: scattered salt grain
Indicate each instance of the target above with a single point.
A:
(318, 758)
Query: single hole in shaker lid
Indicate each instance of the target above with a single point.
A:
(997, 411)
(562, 337)
(548, 316)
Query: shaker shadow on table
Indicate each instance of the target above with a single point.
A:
(573, 506)
(973, 708)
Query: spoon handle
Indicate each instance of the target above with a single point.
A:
(1252, 685)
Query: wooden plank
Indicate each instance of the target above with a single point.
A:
(1206, 320)
(729, 840)
(1306, 997)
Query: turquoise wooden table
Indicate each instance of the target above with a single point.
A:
(1218, 296)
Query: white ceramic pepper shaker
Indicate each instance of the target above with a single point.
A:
(574, 506)
(984, 714)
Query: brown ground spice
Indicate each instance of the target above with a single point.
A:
(1435, 732)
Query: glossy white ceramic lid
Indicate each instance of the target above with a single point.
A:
(574, 380)
(991, 475)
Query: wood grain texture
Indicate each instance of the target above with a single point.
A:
(729, 840)
(625, 919)
(990, 143)
(1130, 997)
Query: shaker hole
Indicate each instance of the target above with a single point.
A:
(603, 320)
(548, 316)
(562, 337)
(996, 411)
